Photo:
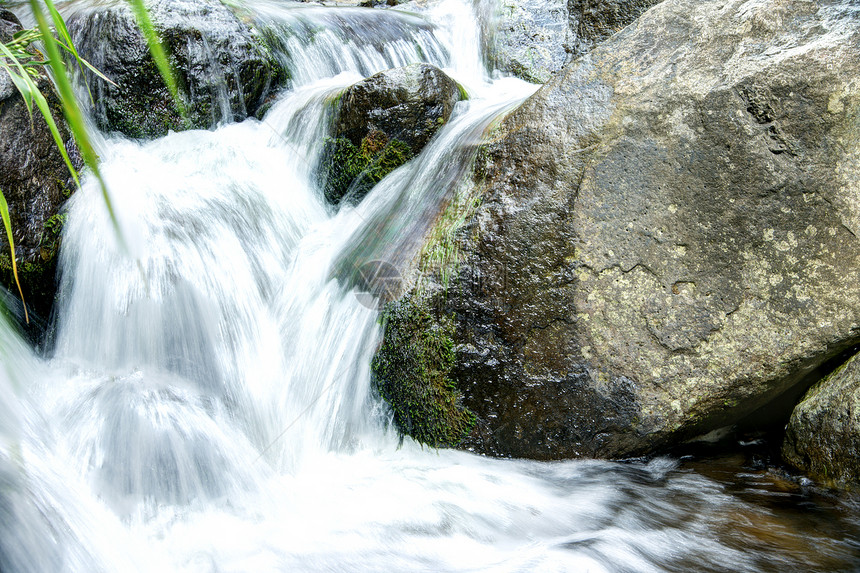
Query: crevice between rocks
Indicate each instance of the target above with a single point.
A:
(765, 425)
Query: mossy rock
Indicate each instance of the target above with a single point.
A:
(37, 271)
(35, 181)
(411, 371)
(350, 172)
(382, 122)
(823, 435)
(222, 65)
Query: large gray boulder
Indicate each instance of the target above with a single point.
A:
(224, 69)
(35, 181)
(823, 435)
(667, 239)
(381, 122)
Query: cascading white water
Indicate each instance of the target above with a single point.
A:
(315, 42)
(208, 405)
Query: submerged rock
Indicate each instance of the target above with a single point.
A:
(224, 70)
(35, 181)
(823, 435)
(381, 123)
(667, 239)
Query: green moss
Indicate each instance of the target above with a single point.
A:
(440, 253)
(49, 243)
(37, 281)
(54, 226)
(66, 190)
(36, 273)
(464, 95)
(411, 371)
(147, 117)
(349, 170)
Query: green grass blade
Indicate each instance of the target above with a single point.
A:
(42, 104)
(60, 26)
(22, 87)
(159, 55)
(65, 41)
(7, 222)
(17, 79)
(74, 116)
(84, 63)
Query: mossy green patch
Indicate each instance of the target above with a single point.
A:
(37, 272)
(411, 370)
(351, 171)
(440, 254)
(464, 95)
(37, 281)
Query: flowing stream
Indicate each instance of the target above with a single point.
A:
(207, 403)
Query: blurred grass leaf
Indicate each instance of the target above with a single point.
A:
(7, 222)
(71, 109)
(156, 48)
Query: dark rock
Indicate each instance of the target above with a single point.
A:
(408, 104)
(823, 435)
(224, 70)
(593, 21)
(382, 122)
(375, 3)
(35, 181)
(667, 239)
(411, 371)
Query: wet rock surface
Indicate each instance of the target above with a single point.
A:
(823, 435)
(532, 39)
(35, 181)
(411, 371)
(409, 104)
(529, 37)
(381, 123)
(593, 21)
(223, 69)
(668, 235)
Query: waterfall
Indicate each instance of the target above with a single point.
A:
(208, 403)
(315, 42)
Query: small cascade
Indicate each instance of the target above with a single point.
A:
(317, 42)
(208, 405)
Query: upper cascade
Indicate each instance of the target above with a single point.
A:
(317, 42)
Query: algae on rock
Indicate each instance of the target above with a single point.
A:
(354, 170)
(413, 368)
(411, 371)
(381, 122)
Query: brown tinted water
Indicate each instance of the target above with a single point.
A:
(782, 521)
